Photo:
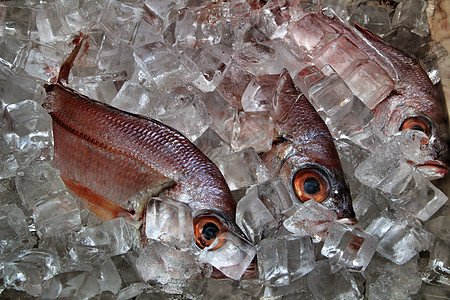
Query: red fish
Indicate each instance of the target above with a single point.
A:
(116, 160)
(305, 156)
(413, 104)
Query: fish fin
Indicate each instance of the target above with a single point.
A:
(369, 35)
(68, 63)
(101, 206)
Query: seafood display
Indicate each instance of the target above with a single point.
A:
(239, 149)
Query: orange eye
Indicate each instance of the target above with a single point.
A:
(206, 228)
(311, 183)
(416, 123)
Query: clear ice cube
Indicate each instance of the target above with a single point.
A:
(243, 168)
(13, 50)
(36, 181)
(311, 218)
(108, 277)
(229, 253)
(120, 19)
(111, 238)
(170, 222)
(134, 98)
(8, 162)
(349, 247)
(223, 115)
(438, 268)
(57, 213)
(283, 260)
(75, 285)
(212, 145)
(233, 84)
(165, 264)
(14, 233)
(27, 270)
(412, 14)
(28, 131)
(253, 129)
(325, 284)
(374, 18)
(260, 212)
(259, 92)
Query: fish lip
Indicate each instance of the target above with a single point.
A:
(348, 221)
(433, 169)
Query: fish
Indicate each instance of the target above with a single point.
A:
(304, 156)
(115, 160)
(413, 103)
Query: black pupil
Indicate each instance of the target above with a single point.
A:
(417, 127)
(311, 186)
(210, 231)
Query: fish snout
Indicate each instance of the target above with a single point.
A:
(344, 208)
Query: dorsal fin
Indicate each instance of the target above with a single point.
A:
(68, 63)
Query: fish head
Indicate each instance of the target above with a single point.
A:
(421, 112)
(317, 175)
(208, 224)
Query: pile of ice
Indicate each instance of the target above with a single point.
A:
(198, 67)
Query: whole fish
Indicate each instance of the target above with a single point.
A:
(116, 160)
(304, 155)
(413, 103)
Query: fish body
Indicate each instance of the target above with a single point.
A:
(413, 101)
(116, 160)
(305, 156)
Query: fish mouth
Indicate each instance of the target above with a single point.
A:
(348, 221)
(432, 169)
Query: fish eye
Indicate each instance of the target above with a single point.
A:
(206, 229)
(311, 184)
(416, 123)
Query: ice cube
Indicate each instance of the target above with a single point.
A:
(283, 260)
(14, 233)
(392, 281)
(49, 26)
(20, 88)
(166, 265)
(36, 181)
(233, 85)
(421, 198)
(403, 241)
(325, 284)
(76, 285)
(326, 90)
(27, 270)
(431, 56)
(28, 131)
(8, 162)
(108, 277)
(309, 32)
(163, 66)
(186, 113)
(229, 253)
(253, 129)
(211, 62)
(15, 20)
(374, 18)
(274, 21)
(44, 62)
(438, 268)
(170, 222)
(258, 94)
(349, 247)
(135, 98)
(243, 169)
(223, 115)
(120, 19)
(368, 81)
(57, 213)
(411, 14)
(260, 212)
(257, 58)
(311, 218)
(212, 145)
(100, 242)
(13, 50)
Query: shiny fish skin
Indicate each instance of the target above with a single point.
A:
(109, 154)
(307, 143)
